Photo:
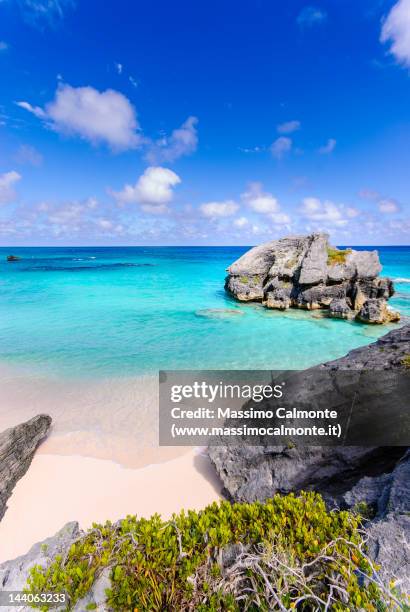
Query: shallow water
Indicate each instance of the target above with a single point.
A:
(101, 312)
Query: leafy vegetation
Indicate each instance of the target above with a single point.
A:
(287, 553)
(337, 256)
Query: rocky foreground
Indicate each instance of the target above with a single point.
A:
(371, 481)
(374, 479)
(307, 272)
(17, 447)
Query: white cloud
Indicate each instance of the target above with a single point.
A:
(281, 218)
(133, 82)
(26, 154)
(288, 127)
(388, 206)
(281, 146)
(99, 117)
(3, 45)
(183, 141)
(214, 210)
(68, 214)
(7, 182)
(35, 110)
(260, 201)
(329, 147)
(324, 212)
(104, 224)
(310, 16)
(396, 30)
(154, 188)
(241, 222)
(118, 67)
(264, 203)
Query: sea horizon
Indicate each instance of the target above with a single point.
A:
(95, 311)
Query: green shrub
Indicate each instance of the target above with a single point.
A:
(159, 565)
(364, 510)
(244, 279)
(337, 256)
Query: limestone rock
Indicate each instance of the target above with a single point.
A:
(306, 272)
(14, 574)
(389, 546)
(340, 309)
(17, 447)
(375, 310)
(346, 476)
(257, 472)
(314, 265)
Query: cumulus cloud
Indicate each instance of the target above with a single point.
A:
(68, 214)
(388, 206)
(183, 141)
(281, 146)
(260, 201)
(280, 218)
(329, 147)
(153, 190)
(326, 212)
(310, 16)
(215, 210)
(105, 117)
(241, 222)
(7, 182)
(396, 31)
(26, 154)
(264, 203)
(288, 127)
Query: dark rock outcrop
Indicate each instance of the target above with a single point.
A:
(306, 272)
(257, 472)
(17, 447)
(346, 476)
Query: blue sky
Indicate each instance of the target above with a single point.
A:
(215, 122)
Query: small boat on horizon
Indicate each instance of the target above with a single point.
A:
(13, 258)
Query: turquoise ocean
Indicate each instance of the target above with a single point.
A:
(95, 312)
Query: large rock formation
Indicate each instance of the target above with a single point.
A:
(306, 272)
(374, 478)
(257, 472)
(17, 447)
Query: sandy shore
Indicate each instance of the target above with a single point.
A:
(57, 489)
(101, 459)
(110, 418)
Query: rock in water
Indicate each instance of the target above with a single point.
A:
(306, 272)
(17, 447)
